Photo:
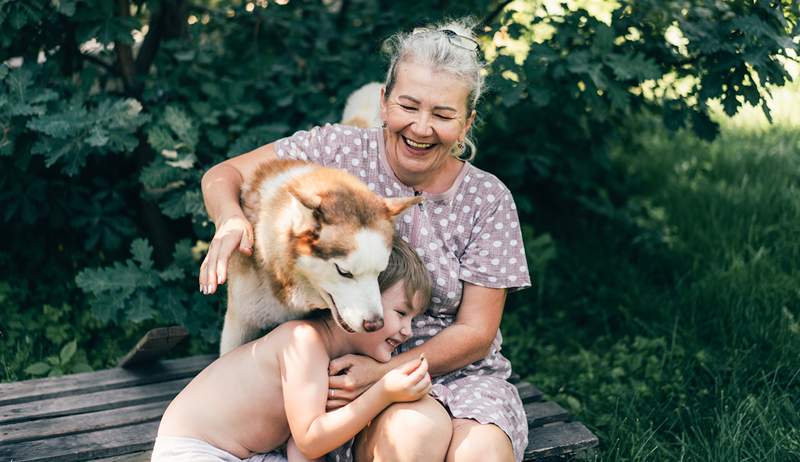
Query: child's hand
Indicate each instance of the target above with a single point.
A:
(408, 382)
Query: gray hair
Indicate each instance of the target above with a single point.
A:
(423, 46)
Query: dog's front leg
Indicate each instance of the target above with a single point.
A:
(236, 331)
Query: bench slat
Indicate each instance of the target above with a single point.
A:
(104, 443)
(102, 400)
(89, 382)
(544, 413)
(528, 392)
(558, 439)
(80, 423)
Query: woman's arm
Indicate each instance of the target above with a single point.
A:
(221, 186)
(464, 342)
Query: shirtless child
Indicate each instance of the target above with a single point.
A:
(252, 399)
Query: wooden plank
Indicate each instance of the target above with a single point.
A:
(102, 400)
(558, 439)
(528, 392)
(84, 446)
(90, 382)
(143, 456)
(153, 345)
(544, 413)
(80, 423)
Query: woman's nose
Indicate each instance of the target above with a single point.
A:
(422, 125)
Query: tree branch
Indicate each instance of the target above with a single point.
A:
(491, 16)
(125, 53)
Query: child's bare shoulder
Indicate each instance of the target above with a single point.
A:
(300, 333)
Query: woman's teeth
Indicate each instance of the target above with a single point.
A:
(414, 144)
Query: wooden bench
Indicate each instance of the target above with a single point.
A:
(113, 415)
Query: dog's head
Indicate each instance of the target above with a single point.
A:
(342, 239)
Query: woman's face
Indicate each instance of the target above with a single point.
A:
(426, 115)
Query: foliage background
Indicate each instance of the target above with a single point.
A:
(662, 233)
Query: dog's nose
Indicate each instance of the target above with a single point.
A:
(373, 325)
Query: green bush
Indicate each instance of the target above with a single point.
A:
(111, 111)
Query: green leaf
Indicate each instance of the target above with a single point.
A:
(68, 351)
(140, 308)
(66, 7)
(142, 252)
(40, 368)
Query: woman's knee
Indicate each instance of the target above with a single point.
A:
(407, 431)
(472, 441)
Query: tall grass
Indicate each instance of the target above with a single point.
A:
(683, 343)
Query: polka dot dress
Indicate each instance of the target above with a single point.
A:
(469, 233)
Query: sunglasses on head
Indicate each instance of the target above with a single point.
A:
(455, 39)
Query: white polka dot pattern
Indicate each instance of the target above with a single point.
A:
(469, 234)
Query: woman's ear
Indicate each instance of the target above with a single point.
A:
(383, 104)
(468, 124)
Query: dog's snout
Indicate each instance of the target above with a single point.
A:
(373, 324)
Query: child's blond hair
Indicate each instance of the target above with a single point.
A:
(404, 265)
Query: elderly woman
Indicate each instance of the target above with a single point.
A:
(466, 232)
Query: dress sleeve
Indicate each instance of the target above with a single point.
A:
(495, 255)
(322, 145)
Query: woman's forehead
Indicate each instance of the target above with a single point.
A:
(430, 86)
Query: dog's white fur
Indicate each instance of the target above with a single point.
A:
(310, 223)
(363, 107)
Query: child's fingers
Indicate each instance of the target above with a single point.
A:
(422, 387)
(419, 372)
(410, 366)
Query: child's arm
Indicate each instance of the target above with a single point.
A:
(304, 373)
(294, 454)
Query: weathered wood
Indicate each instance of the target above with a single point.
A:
(104, 443)
(143, 456)
(153, 345)
(79, 423)
(558, 439)
(89, 382)
(102, 400)
(544, 413)
(113, 415)
(528, 393)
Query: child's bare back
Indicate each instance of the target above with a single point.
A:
(251, 419)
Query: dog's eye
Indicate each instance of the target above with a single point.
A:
(343, 273)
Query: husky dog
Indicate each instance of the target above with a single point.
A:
(321, 238)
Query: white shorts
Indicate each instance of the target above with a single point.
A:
(182, 449)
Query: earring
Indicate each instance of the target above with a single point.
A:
(384, 124)
(458, 149)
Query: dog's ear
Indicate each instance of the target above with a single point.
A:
(310, 201)
(397, 205)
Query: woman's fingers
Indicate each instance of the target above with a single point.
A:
(211, 267)
(333, 404)
(226, 248)
(336, 366)
(341, 382)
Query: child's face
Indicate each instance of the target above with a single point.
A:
(397, 315)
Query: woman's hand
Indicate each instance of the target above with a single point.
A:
(234, 232)
(349, 376)
(408, 382)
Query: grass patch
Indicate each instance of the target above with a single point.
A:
(682, 342)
